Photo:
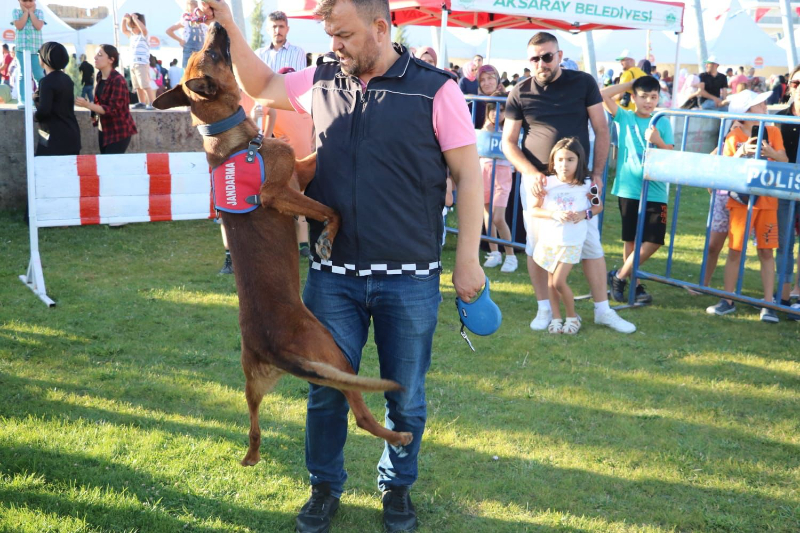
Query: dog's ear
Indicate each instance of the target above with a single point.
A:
(205, 86)
(175, 97)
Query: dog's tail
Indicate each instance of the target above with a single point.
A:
(330, 376)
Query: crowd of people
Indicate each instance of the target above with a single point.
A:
(395, 137)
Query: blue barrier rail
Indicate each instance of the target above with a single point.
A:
(747, 176)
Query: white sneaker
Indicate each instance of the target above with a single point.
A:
(611, 319)
(542, 320)
(493, 259)
(510, 264)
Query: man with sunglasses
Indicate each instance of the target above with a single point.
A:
(550, 105)
(786, 223)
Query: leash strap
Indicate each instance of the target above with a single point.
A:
(464, 336)
(215, 128)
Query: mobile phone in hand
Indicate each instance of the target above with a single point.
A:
(754, 132)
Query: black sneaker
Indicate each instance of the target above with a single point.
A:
(227, 268)
(642, 297)
(315, 516)
(398, 511)
(617, 286)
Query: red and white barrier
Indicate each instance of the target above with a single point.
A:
(107, 189)
(103, 189)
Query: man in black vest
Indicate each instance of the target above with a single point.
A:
(388, 128)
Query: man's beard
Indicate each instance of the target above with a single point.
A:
(546, 76)
(364, 63)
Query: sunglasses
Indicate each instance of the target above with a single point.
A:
(544, 58)
(794, 83)
(594, 191)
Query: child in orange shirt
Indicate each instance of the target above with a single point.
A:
(764, 219)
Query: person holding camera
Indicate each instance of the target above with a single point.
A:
(742, 142)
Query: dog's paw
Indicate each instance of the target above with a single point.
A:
(324, 246)
(251, 459)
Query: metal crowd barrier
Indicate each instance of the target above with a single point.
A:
(746, 176)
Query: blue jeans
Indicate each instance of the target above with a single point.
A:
(786, 225)
(404, 310)
(38, 72)
(86, 92)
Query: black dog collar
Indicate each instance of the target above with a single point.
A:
(215, 128)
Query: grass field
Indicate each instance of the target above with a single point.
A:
(122, 409)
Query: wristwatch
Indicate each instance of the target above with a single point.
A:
(588, 214)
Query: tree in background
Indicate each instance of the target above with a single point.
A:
(400, 36)
(257, 19)
(74, 74)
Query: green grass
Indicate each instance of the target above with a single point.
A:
(122, 409)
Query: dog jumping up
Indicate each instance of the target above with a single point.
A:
(279, 334)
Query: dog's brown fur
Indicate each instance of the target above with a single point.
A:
(279, 334)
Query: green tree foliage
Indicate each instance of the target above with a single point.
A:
(257, 22)
(400, 36)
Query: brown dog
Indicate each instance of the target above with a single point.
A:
(279, 334)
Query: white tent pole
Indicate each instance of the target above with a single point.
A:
(788, 29)
(116, 23)
(442, 59)
(489, 48)
(675, 87)
(649, 46)
(589, 63)
(702, 51)
(238, 15)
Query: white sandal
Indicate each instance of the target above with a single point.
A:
(555, 326)
(572, 325)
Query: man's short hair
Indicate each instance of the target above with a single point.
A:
(5, 47)
(276, 16)
(370, 10)
(477, 55)
(141, 18)
(541, 38)
(646, 84)
(526, 70)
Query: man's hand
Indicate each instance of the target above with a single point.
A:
(538, 183)
(597, 180)
(217, 11)
(468, 279)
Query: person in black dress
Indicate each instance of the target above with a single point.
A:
(59, 133)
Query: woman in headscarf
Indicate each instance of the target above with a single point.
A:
(59, 133)
(488, 85)
(426, 54)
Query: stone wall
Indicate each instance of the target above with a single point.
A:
(159, 131)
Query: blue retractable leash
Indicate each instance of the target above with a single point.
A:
(482, 317)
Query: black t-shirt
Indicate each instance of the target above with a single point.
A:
(551, 112)
(87, 73)
(790, 134)
(713, 84)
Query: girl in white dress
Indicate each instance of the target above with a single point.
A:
(565, 208)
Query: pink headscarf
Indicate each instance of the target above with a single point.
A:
(426, 50)
(467, 69)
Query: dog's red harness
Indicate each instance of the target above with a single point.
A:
(236, 179)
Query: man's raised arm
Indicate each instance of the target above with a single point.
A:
(255, 77)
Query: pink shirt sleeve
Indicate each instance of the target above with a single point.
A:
(298, 89)
(452, 122)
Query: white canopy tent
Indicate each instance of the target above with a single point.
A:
(733, 37)
(54, 29)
